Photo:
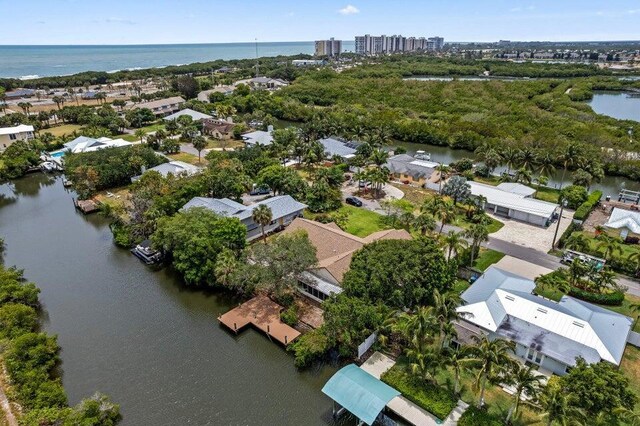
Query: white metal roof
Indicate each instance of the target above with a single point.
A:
(517, 188)
(259, 137)
(195, 115)
(85, 144)
(21, 128)
(621, 218)
(497, 296)
(499, 197)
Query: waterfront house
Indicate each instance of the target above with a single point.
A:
(162, 107)
(259, 137)
(175, 168)
(513, 202)
(408, 169)
(87, 144)
(19, 93)
(334, 250)
(284, 210)
(267, 83)
(195, 115)
(205, 94)
(218, 128)
(625, 223)
(548, 334)
(9, 135)
(334, 147)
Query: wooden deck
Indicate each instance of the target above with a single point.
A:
(264, 314)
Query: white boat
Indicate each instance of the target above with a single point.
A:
(421, 155)
(48, 166)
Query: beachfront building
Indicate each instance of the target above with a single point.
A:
(407, 169)
(86, 144)
(334, 249)
(336, 147)
(19, 93)
(514, 201)
(376, 45)
(307, 63)
(259, 137)
(218, 128)
(330, 48)
(205, 95)
(624, 223)
(9, 135)
(548, 334)
(175, 168)
(284, 210)
(195, 115)
(162, 107)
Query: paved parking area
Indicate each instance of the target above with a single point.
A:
(391, 192)
(531, 236)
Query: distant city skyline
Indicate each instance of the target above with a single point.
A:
(65, 22)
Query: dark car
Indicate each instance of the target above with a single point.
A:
(354, 201)
(264, 190)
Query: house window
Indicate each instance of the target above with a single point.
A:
(13, 137)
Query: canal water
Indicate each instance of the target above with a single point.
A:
(616, 104)
(154, 346)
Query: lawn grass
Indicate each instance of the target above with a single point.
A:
(630, 366)
(486, 258)
(460, 285)
(119, 198)
(229, 145)
(64, 129)
(362, 222)
(127, 137)
(545, 193)
(154, 127)
(188, 158)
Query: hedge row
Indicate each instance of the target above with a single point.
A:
(587, 207)
(610, 299)
(475, 416)
(435, 399)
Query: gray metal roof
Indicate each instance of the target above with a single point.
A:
(517, 188)
(173, 167)
(406, 164)
(337, 147)
(259, 137)
(280, 206)
(195, 115)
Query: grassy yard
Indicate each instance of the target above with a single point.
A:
(117, 199)
(154, 127)
(630, 366)
(127, 137)
(362, 222)
(486, 258)
(547, 194)
(228, 144)
(188, 158)
(64, 129)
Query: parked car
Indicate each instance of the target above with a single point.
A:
(354, 201)
(260, 190)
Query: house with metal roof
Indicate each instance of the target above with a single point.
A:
(335, 147)
(334, 250)
(546, 333)
(263, 83)
(87, 144)
(175, 168)
(408, 169)
(259, 137)
(224, 90)
(517, 188)
(284, 210)
(162, 107)
(9, 135)
(626, 222)
(510, 202)
(195, 115)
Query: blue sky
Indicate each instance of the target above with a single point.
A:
(211, 21)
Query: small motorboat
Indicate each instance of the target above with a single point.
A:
(421, 155)
(144, 252)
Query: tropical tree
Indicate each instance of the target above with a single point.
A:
(199, 143)
(443, 171)
(425, 222)
(445, 311)
(457, 188)
(578, 242)
(440, 208)
(454, 242)
(262, 215)
(456, 359)
(570, 155)
(489, 356)
(509, 156)
(608, 246)
(526, 383)
(635, 258)
(523, 175)
(59, 100)
(26, 106)
(478, 233)
(546, 163)
(140, 134)
(558, 406)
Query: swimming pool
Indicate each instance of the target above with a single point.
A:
(57, 154)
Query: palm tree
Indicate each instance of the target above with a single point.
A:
(479, 233)
(523, 175)
(140, 134)
(559, 407)
(455, 243)
(262, 215)
(510, 157)
(418, 328)
(546, 163)
(526, 383)
(456, 359)
(578, 242)
(443, 170)
(424, 223)
(489, 355)
(635, 258)
(59, 100)
(570, 155)
(425, 362)
(526, 158)
(445, 310)
(199, 143)
(226, 265)
(609, 246)
(26, 106)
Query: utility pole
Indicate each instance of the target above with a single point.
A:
(563, 204)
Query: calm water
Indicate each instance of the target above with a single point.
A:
(615, 104)
(154, 346)
(32, 61)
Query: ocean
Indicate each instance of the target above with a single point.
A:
(43, 61)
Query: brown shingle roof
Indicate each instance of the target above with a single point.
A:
(335, 248)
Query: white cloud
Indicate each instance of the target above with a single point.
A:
(633, 11)
(349, 10)
(119, 21)
(515, 9)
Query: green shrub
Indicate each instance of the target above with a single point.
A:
(290, 315)
(585, 209)
(435, 399)
(475, 416)
(610, 299)
(310, 347)
(574, 195)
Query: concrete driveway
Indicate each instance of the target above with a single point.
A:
(391, 193)
(531, 236)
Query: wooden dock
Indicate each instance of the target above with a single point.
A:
(264, 314)
(86, 206)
